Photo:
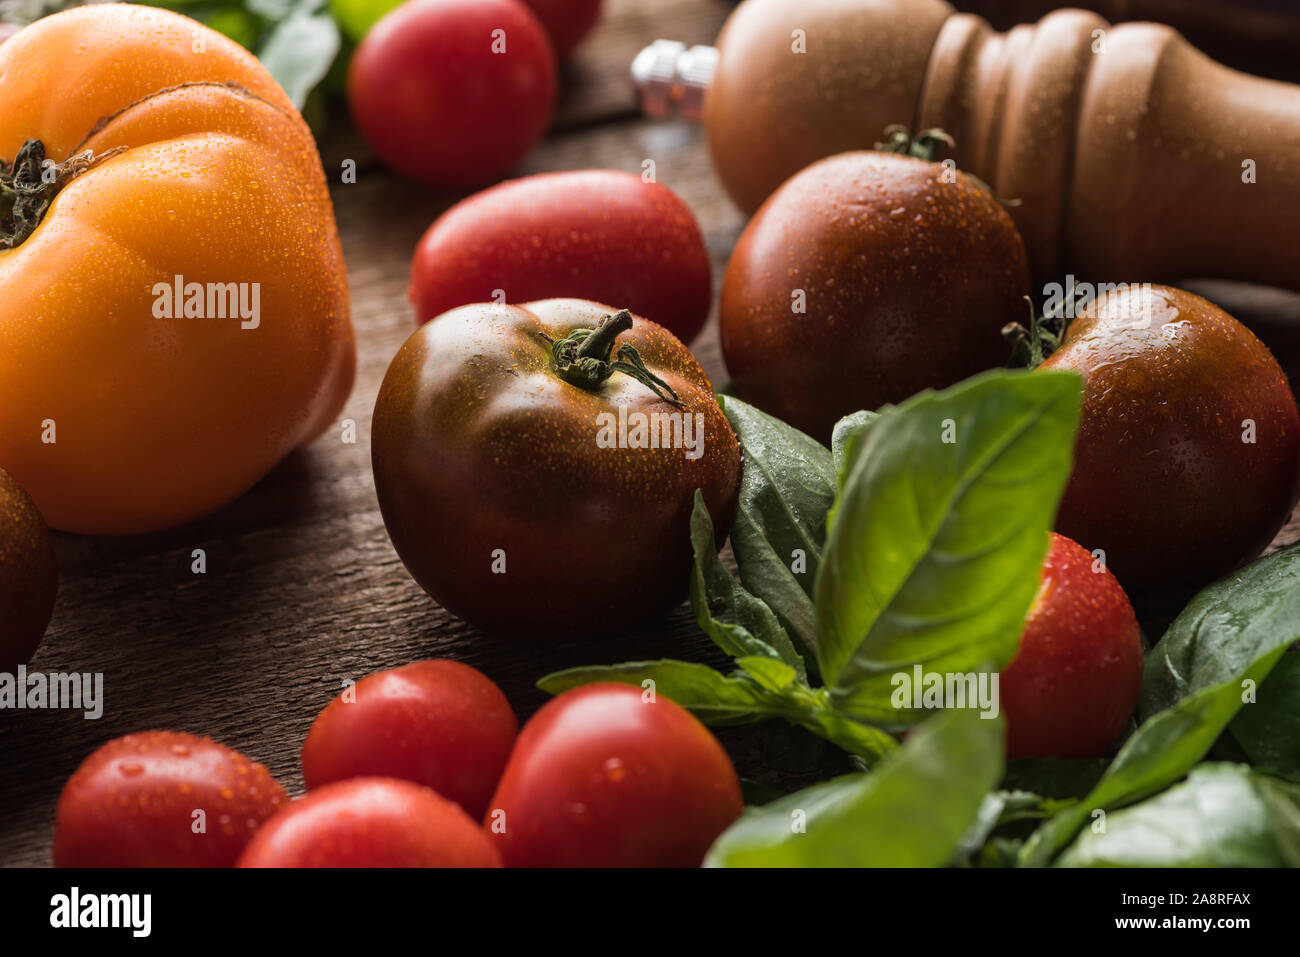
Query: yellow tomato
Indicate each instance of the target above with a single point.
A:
(178, 321)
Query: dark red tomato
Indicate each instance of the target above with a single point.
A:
(1187, 460)
(371, 822)
(453, 93)
(438, 723)
(29, 577)
(511, 490)
(567, 21)
(863, 280)
(591, 234)
(1074, 683)
(162, 799)
(608, 776)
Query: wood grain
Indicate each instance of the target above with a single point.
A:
(302, 588)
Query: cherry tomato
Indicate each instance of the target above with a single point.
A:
(371, 822)
(603, 776)
(453, 93)
(863, 280)
(28, 575)
(1187, 460)
(595, 234)
(529, 499)
(567, 21)
(162, 799)
(438, 723)
(1074, 683)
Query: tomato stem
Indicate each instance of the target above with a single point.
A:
(28, 187)
(585, 358)
(1030, 346)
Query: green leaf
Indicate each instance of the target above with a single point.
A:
(846, 440)
(1055, 777)
(710, 695)
(786, 489)
(739, 623)
(1268, 729)
(356, 17)
(1158, 753)
(299, 49)
(912, 811)
(936, 544)
(1225, 629)
(1221, 816)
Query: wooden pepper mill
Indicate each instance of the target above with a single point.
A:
(1126, 154)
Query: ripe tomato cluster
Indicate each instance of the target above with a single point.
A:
(419, 766)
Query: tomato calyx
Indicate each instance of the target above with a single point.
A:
(1031, 345)
(29, 184)
(585, 358)
(924, 145)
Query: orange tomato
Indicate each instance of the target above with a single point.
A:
(124, 407)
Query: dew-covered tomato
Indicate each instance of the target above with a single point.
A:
(438, 723)
(162, 799)
(864, 279)
(1187, 460)
(453, 93)
(531, 495)
(28, 575)
(371, 822)
(591, 234)
(1074, 683)
(608, 775)
(177, 320)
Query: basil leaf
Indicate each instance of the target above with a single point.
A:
(937, 541)
(711, 696)
(298, 50)
(739, 622)
(845, 442)
(1221, 816)
(1224, 629)
(912, 811)
(1158, 753)
(786, 489)
(1268, 729)
(1055, 777)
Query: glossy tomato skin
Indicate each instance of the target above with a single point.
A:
(603, 777)
(29, 577)
(371, 822)
(1163, 481)
(597, 234)
(566, 21)
(438, 723)
(133, 803)
(497, 494)
(121, 410)
(1074, 683)
(435, 101)
(905, 281)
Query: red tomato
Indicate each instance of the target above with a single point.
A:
(437, 723)
(1074, 683)
(602, 235)
(601, 777)
(453, 92)
(567, 21)
(371, 822)
(162, 799)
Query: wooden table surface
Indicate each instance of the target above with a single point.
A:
(303, 589)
